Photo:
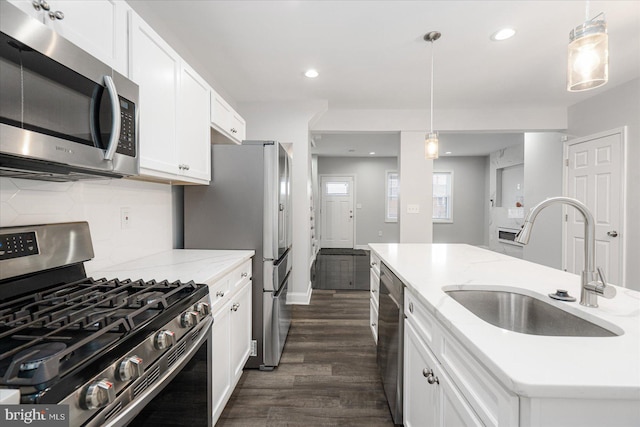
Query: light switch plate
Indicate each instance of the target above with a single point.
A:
(413, 209)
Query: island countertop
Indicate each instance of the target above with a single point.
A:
(528, 365)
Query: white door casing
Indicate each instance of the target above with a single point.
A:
(337, 214)
(594, 174)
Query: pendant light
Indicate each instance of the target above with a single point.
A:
(431, 140)
(588, 59)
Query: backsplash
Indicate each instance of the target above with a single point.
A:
(100, 203)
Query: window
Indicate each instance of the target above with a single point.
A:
(392, 192)
(442, 197)
(337, 188)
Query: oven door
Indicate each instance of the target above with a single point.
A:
(186, 396)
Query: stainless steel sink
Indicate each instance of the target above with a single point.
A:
(525, 314)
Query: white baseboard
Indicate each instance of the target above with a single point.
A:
(300, 298)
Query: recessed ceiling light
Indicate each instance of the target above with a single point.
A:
(371, 153)
(351, 150)
(503, 34)
(448, 152)
(312, 74)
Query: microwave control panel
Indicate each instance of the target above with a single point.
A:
(127, 142)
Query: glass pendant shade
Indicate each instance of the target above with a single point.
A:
(588, 62)
(431, 146)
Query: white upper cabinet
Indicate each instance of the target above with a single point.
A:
(174, 110)
(226, 120)
(98, 26)
(155, 67)
(194, 135)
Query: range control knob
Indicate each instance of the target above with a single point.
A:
(98, 394)
(189, 319)
(202, 308)
(130, 368)
(164, 339)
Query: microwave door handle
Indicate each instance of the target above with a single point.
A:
(115, 112)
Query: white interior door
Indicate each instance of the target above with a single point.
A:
(337, 212)
(595, 177)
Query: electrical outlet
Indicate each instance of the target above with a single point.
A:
(379, 233)
(125, 218)
(254, 348)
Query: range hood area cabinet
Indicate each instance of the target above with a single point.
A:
(98, 27)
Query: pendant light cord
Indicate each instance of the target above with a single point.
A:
(586, 18)
(431, 109)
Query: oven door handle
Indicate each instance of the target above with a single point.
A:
(117, 121)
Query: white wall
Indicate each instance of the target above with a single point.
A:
(370, 192)
(543, 154)
(27, 202)
(289, 122)
(469, 201)
(416, 176)
(613, 108)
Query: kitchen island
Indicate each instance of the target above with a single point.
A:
(506, 377)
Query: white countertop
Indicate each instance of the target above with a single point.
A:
(528, 365)
(199, 265)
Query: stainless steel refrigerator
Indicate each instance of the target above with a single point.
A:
(247, 206)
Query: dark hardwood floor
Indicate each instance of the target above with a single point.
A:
(327, 375)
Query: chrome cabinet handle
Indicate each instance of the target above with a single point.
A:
(117, 121)
(235, 307)
(373, 324)
(373, 264)
(431, 378)
(42, 4)
(245, 274)
(220, 294)
(612, 233)
(56, 15)
(410, 307)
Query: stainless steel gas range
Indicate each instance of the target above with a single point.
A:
(105, 348)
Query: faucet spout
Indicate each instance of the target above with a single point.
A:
(591, 286)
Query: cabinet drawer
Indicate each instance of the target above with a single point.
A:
(240, 275)
(493, 404)
(374, 283)
(424, 322)
(374, 263)
(219, 292)
(373, 320)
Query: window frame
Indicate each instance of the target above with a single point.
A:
(387, 196)
(448, 220)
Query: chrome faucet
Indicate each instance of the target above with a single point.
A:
(593, 280)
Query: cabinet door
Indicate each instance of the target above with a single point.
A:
(194, 133)
(98, 27)
(221, 359)
(238, 127)
(241, 328)
(27, 7)
(220, 112)
(421, 400)
(155, 67)
(456, 411)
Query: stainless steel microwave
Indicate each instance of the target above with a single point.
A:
(64, 115)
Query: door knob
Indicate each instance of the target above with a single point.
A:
(612, 233)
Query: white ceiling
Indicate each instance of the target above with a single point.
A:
(371, 54)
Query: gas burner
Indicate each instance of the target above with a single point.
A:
(39, 354)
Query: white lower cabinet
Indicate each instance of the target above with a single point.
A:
(430, 398)
(374, 290)
(241, 329)
(221, 360)
(231, 305)
(444, 385)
